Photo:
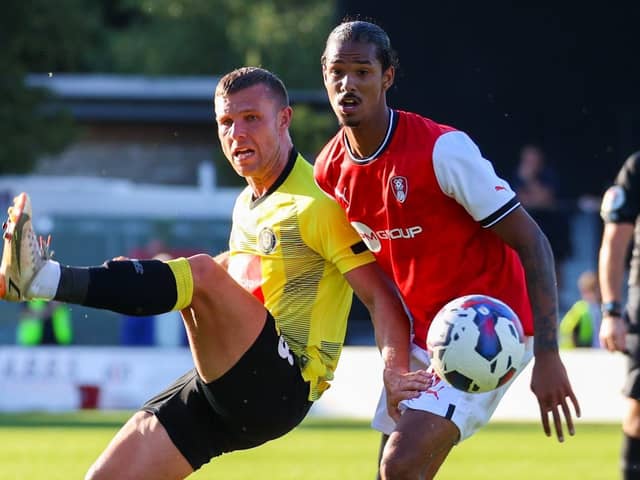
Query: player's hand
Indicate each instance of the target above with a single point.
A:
(613, 332)
(550, 384)
(401, 385)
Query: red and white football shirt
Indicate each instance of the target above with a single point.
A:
(423, 203)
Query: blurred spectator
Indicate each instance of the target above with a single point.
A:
(535, 182)
(536, 185)
(581, 324)
(44, 322)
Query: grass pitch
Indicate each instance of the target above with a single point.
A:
(62, 446)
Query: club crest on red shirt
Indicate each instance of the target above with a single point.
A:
(400, 188)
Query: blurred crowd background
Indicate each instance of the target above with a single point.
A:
(106, 120)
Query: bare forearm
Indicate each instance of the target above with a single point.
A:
(611, 273)
(549, 381)
(611, 267)
(392, 335)
(611, 261)
(522, 234)
(537, 260)
(387, 314)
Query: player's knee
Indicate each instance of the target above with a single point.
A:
(205, 272)
(203, 269)
(202, 266)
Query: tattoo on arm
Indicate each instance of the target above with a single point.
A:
(539, 266)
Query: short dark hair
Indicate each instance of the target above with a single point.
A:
(246, 77)
(365, 32)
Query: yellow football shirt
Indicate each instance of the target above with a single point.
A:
(290, 248)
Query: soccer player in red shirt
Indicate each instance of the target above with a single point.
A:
(442, 224)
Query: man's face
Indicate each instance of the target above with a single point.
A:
(355, 82)
(250, 128)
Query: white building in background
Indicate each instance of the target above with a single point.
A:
(96, 197)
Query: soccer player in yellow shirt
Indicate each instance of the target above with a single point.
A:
(266, 320)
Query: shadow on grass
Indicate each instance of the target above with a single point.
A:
(110, 419)
(334, 424)
(83, 419)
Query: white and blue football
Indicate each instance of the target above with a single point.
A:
(476, 343)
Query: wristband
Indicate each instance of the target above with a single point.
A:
(611, 309)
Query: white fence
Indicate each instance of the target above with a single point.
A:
(68, 378)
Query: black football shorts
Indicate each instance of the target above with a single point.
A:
(262, 397)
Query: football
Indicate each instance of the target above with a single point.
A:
(476, 343)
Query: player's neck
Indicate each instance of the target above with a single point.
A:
(264, 180)
(367, 137)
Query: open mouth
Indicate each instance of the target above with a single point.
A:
(242, 153)
(349, 103)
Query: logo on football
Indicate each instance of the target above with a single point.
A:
(476, 343)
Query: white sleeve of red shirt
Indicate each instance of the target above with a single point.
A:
(466, 176)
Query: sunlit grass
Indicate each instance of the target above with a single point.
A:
(39, 446)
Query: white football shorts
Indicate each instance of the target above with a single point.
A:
(468, 411)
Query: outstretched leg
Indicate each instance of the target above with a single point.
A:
(223, 321)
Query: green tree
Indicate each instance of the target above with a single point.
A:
(213, 36)
(153, 37)
(39, 36)
(310, 129)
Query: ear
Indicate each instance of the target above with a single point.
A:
(324, 74)
(388, 77)
(284, 118)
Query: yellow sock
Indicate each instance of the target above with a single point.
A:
(184, 281)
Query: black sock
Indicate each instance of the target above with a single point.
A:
(630, 458)
(73, 285)
(130, 287)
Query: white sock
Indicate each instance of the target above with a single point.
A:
(45, 283)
